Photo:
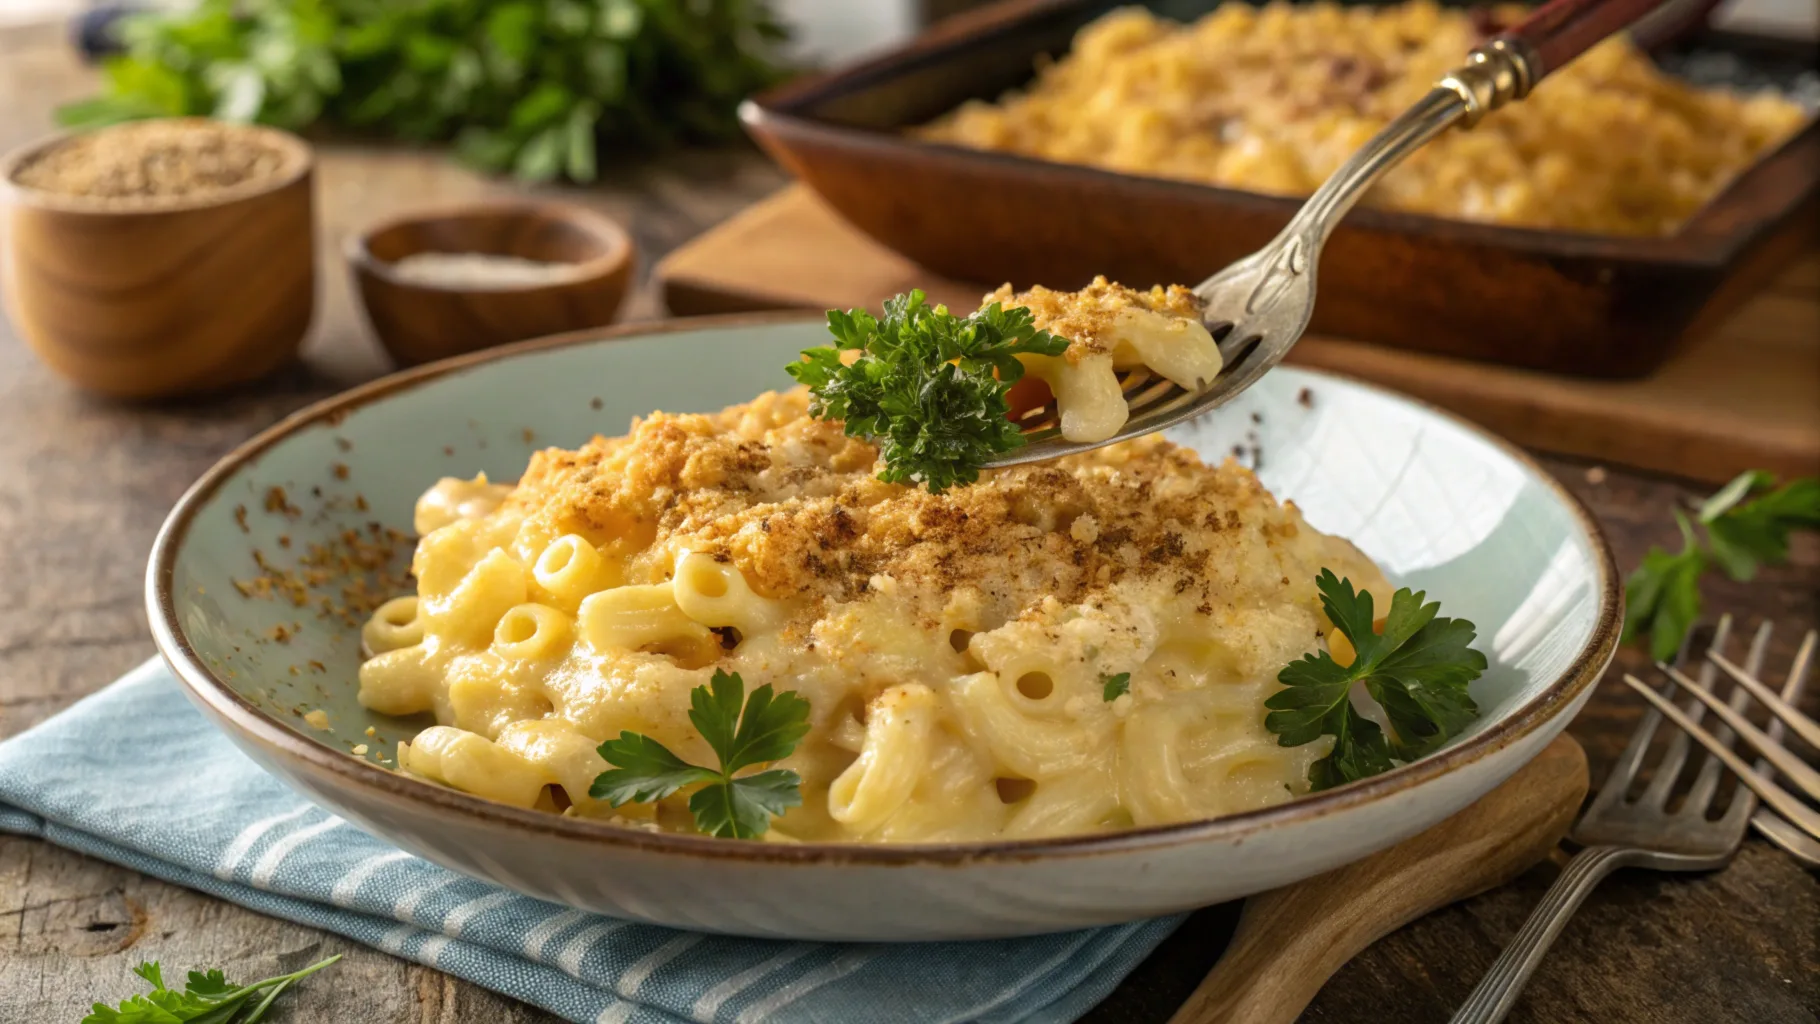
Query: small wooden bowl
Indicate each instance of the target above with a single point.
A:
(419, 322)
(181, 297)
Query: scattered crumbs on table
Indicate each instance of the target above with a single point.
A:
(596, 404)
(284, 540)
(529, 435)
(481, 271)
(359, 750)
(156, 163)
(318, 719)
(344, 444)
(240, 518)
(1305, 398)
(281, 633)
(448, 449)
(340, 469)
(317, 666)
(372, 732)
(1595, 475)
(294, 670)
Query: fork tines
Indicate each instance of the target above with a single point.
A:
(1777, 759)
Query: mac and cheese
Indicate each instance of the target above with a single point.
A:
(1110, 328)
(952, 648)
(1274, 98)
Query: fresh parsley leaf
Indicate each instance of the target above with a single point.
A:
(214, 983)
(1417, 670)
(1746, 523)
(1114, 687)
(207, 998)
(647, 771)
(928, 387)
(742, 731)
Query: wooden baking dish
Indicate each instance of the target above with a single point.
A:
(1584, 304)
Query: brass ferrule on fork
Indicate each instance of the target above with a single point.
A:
(1502, 70)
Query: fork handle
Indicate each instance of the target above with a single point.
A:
(1499, 989)
(1557, 32)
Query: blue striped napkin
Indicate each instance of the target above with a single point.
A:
(136, 776)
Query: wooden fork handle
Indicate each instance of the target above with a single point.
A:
(1291, 940)
(1560, 30)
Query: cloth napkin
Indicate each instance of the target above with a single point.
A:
(135, 775)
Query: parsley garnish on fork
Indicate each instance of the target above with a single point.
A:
(928, 387)
(205, 998)
(1417, 670)
(742, 732)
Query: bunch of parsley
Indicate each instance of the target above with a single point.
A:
(743, 732)
(1746, 524)
(928, 387)
(534, 87)
(206, 998)
(1417, 670)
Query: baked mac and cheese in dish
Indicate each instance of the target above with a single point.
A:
(1273, 98)
(936, 652)
(954, 649)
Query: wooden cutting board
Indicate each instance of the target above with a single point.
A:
(1742, 394)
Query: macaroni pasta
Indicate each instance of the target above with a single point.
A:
(953, 648)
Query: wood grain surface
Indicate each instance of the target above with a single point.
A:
(1290, 941)
(1743, 391)
(84, 484)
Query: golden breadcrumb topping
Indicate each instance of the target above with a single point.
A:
(1086, 317)
(797, 506)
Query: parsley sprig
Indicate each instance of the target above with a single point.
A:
(1112, 687)
(1746, 524)
(1417, 670)
(742, 732)
(929, 387)
(206, 998)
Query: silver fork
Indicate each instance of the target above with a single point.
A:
(1258, 307)
(1618, 832)
(1785, 820)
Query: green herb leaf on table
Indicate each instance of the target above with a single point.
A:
(1113, 687)
(1747, 524)
(207, 998)
(1417, 670)
(928, 387)
(743, 732)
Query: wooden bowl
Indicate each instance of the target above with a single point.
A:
(419, 322)
(182, 297)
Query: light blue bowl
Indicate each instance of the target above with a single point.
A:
(1438, 503)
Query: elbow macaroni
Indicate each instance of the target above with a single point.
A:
(1111, 328)
(952, 648)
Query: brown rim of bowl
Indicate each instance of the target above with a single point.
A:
(299, 159)
(620, 246)
(1587, 667)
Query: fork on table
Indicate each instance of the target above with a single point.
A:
(1651, 832)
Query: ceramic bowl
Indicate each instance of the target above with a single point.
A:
(1441, 505)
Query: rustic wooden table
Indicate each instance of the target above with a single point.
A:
(84, 484)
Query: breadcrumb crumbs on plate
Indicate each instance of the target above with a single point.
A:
(359, 750)
(318, 718)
